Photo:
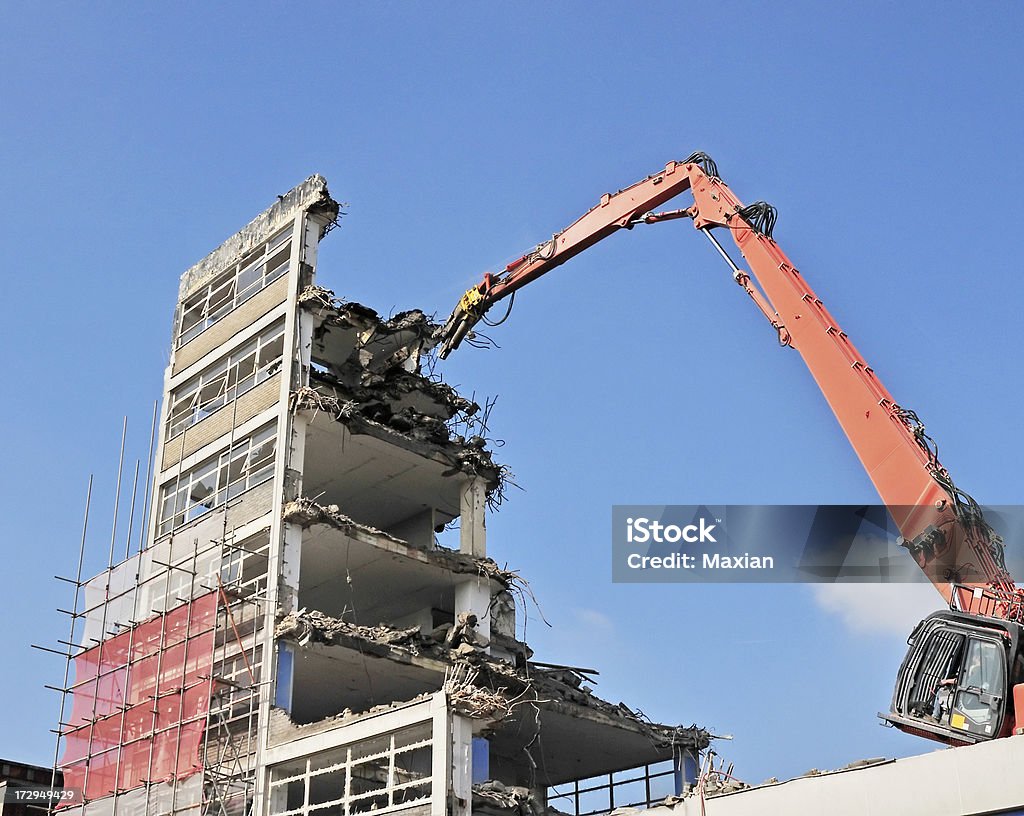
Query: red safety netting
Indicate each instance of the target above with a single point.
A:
(140, 703)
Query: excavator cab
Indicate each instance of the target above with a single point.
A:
(956, 684)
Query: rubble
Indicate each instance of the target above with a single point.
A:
(376, 345)
(472, 700)
(368, 409)
(367, 374)
(305, 627)
(305, 512)
(285, 729)
(315, 627)
(716, 785)
(494, 795)
(461, 635)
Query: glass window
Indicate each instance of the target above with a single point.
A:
(249, 277)
(269, 359)
(192, 316)
(211, 396)
(213, 482)
(234, 286)
(243, 372)
(183, 404)
(220, 301)
(980, 694)
(277, 266)
(226, 380)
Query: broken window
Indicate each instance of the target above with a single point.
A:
(381, 774)
(210, 484)
(244, 564)
(226, 380)
(234, 286)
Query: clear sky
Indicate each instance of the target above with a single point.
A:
(136, 137)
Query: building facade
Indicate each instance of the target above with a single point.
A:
(313, 624)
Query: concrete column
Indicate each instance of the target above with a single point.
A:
(462, 766)
(472, 523)
(291, 534)
(473, 594)
(304, 349)
(285, 539)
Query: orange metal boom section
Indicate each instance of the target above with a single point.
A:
(951, 546)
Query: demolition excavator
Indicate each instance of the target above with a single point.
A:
(962, 680)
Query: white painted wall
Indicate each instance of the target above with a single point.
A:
(977, 779)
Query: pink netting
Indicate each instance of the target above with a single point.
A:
(147, 691)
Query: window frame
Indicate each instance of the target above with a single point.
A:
(222, 295)
(991, 656)
(346, 761)
(180, 503)
(184, 413)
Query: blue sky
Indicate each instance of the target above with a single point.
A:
(137, 137)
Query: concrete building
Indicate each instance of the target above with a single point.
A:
(25, 789)
(313, 624)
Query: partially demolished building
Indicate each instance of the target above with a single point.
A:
(293, 637)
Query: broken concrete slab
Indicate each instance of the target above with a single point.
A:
(367, 373)
(306, 513)
(419, 434)
(314, 627)
(548, 693)
(350, 335)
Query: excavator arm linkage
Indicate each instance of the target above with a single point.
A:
(942, 527)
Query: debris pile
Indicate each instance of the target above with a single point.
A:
(282, 722)
(367, 373)
(461, 636)
(716, 778)
(451, 642)
(307, 512)
(375, 346)
(716, 785)
(315, 627)
(472, 700)
(493, 795)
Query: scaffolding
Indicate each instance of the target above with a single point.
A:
(160, 699)
(229, 744)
